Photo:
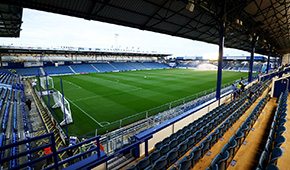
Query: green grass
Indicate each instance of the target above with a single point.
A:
(109, 97)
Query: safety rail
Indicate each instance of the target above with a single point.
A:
(40, 101)
(56, 163)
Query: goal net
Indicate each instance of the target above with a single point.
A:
(65, 107)
(49, 82)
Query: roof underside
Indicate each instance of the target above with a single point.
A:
(10, 20)
(244, 19)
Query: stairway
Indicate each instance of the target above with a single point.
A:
(72, 69)
(42, 71)
(95, 68)
(113, 66)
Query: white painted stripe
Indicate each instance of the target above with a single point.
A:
(84, 112)
(92, 97)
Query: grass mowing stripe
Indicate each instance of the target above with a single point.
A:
(106, 100)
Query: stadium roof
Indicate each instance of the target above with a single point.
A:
(10, 20)
(265, 20)
(76, 51)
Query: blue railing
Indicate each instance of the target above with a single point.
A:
(57, 164)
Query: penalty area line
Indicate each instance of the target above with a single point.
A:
(83, 111)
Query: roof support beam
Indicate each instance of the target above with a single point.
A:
(252, 60)
(220, 60)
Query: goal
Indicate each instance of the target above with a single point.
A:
(65, 107)
(43, 82)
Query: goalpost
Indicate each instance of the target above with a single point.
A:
(65, 107)
(49, 82)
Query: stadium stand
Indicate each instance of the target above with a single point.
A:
(181, 150)
(137, 66)
(104, 67)
(28, 72)
(83, 68)
(121, 66)
(194, 133)
(257, 67)
(237, 67)
(245, 67)
(272, 151)
(52, 70)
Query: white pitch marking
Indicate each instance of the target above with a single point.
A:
(83, 111)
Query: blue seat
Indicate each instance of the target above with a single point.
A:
(173, 168)
(166, 140)
(173, 143)
(272, 167)
(154, 156)
(232, 146)
(218, 133)
(180, 138)
(281, 130)
(187, 133)
(143, 163)
(213, 164)
(198, 135)
(222, 162)
(185, 163)
(279, 140)
(159, 145)
(179, 132)
(195, 154)
(161, 163)
(190, 141)
(132, 167)
(276, 154)
(209, 142)
(204, 146)
(269, 145)
(150, 167)
(213, 139)
(182, 148)
(173, 136)
(164, 150)
(282, 121)
(263, 161)
(172, 156)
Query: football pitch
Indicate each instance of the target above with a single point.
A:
(98, 99)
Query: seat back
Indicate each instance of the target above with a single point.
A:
(161, 163)
(143, 163)
(154, 156)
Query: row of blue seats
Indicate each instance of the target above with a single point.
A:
(2, 143)
(9, 104)
(175, 146)
(224, 158)
(14, 150)
(198, 152)
(272, 151)
(25, 126)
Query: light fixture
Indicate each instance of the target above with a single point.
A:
(190, 6)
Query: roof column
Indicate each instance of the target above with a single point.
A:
(252, 59)
(268, 61)
(220, 60)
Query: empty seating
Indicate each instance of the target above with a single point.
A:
(272, 151)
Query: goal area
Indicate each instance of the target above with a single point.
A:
(65, 107)
(49, 83)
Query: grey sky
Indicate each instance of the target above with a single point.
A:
(47, 29)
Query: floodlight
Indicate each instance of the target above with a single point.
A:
(190, 6)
